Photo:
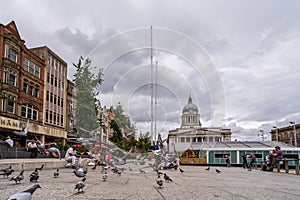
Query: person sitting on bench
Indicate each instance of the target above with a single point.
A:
(277, 157)
(71, 155)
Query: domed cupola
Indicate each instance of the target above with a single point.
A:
(190, 107)
(190, 115)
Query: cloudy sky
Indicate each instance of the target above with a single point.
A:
(239, 60)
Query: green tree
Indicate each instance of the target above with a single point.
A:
(122, 120)
(117, 137)
(86, 84)
(144, 143)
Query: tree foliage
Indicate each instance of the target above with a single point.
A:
(117, 137)
(86, 84)
(122, 124)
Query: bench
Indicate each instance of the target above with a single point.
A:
(286, 165)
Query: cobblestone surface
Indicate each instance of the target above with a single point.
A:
(194, 183)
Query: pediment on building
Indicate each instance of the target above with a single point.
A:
(13, 29)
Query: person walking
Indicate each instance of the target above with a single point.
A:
(244, 159)
(252, 161)
(228, 164)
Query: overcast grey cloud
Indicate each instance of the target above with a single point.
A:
(254, 46)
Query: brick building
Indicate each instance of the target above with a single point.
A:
(33, 86)
(22, 84)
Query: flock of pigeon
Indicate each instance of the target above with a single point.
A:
(79, 172)
(27, 194)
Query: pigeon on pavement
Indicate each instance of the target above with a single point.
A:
(18, 178)
(35, 172)
(181, 170)
(80, 185)
(218, 171)
(207, 169)
(56, 174)
(25, 195)
(167, 178)
(104, 176)
(34, 177)
(142, 171)
(7, 171)
(159, 181)
(79, 172)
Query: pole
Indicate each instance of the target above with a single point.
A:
(155, 108)
(151, 87)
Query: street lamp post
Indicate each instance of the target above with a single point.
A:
(276, 130)
(295, 135)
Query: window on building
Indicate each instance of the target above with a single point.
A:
(24, 111)
(11, 105)
(182, 139)
(52, 79)
(188, 139)
(50, 117)
(54, 118)
(54, 99)
(51, 98)
(28, 111)
(55, 82)
(58, 101)
(47, 96)
(31, 68)
(26, 64)
(56, 65)
(37, 91)
(61, 120)
(37, 71)
(222, 155)
(49, 60)
(31, 88)
(48, 78)
(58, 119)
(34, 114)
(47, 115)
(62, 102)
(13, 55)
(12, 78)
(25, 85)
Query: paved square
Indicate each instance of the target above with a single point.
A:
(194, 183)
